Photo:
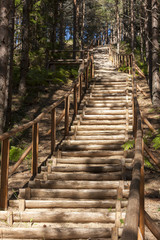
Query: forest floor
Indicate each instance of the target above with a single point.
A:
(28, 110)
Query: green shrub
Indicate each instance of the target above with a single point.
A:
(16, 152)
(128, 145)
(156, 142)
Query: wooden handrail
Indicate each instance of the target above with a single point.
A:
(134, 222)
(76, 88)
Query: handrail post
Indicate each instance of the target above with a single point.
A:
(141, 219)
(67, 116)
(53, 130)
(80, 88)
(4, 174)
(35, 140)
(75, 100)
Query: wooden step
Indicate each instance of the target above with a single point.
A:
(77, 168)
(100, 127)
(104, 117)
(80, 176)
(110, 105)
(55, 233)
(102, 137)
(90, 147)
(92, 153)
(67, 203)
(71, 193)
(93, 142)
(94, 160)
(51, 184)
(92, 111)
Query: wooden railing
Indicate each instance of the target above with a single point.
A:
(78, 89)
(136, 216)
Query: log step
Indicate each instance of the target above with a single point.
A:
(55, 233)
(91, 153)
(80, 176)
(59, 217)
(90, 169)
(100, 127)
(94, 160)
(91, 142)
(71, 193)
(90, 147)
(51, 184)
(67, 204)
(101, 137)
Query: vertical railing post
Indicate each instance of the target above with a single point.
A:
(35, 140)
(67, 116)
(92, 67)
(75, 100)
(4, 174)
(141, 219)
(80, 93)
(86, 76)
(53, 130)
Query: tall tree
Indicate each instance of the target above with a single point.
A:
(132, 24)
(25, 47)
(4, 8)
(8, 98)
(155, 52)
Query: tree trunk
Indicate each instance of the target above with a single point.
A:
(132, 25)
(4, 8)
(25, 47)
(53, 35)
(8, 99)
(141, 31)
(62, 26)
(118, 26)
(155, 52)
(82, 24)
(150, 45)
(75, 25)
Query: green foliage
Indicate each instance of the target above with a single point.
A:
(38, 77)
(156, 142)
(148, 163)
(123, 68)
(16, 152)
(128, 145)
(121, 221)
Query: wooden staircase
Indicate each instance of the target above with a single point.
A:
(82, 192)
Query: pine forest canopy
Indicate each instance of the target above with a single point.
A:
(30, 31)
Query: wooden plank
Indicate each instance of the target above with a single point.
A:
(67, 116)
(55, 233)
(53, 130)
(35, 140)
(59, 217)
(156, 161)
(152, 225)
(141, 218)
(68, 203)
(72, 193)
(4, 174)
(75, 100)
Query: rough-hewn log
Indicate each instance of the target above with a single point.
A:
(55, 233)
(152, 225)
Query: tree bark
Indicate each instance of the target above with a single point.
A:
(75, 25)
(149, 9)
(8, 100)
(132, 25)
(118, 26)
(25, 47)
(155, 52)
(82, 24)
(62, 26)
(4, 7)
